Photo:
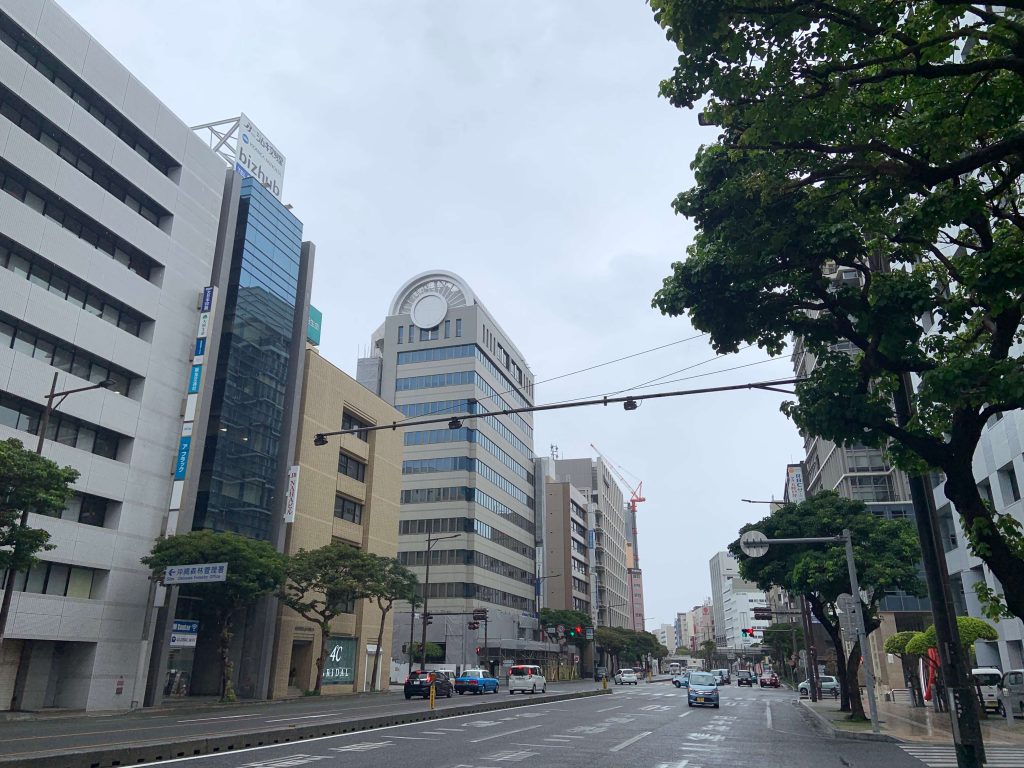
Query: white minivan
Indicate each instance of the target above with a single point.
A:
(526, 677)
(987, 680)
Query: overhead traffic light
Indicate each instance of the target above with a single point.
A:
(763, 614)
(749, 632)
(428, 618)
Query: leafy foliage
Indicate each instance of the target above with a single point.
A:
(970, 630)
(387, 581)
(866, 173)
(28, 481)
(255, 569)
(552, 617)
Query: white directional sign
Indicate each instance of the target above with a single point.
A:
(754, 544)
(196, 573)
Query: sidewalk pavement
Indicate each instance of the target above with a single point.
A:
(901, 722)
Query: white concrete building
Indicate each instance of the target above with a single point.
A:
(733, 601)
(107, 236)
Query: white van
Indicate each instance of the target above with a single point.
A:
(987, 680)
(526, 677)
(1013, 684)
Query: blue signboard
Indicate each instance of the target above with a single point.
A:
(182, 462)
(193, 379)
(316, 319)
(200, 347)
(207, 299)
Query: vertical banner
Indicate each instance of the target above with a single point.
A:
(292, 494)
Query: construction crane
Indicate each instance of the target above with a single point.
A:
(636, 495)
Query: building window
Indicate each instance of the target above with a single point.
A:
(70, 151)
(447, 329)
(25, 416)
(458, 327)
(50, 67)
(401, 334)
(1008, 484)
(348, 421)
(348, 509)
(352, 467)
(84, 508)
(22, 188)
(46, 578)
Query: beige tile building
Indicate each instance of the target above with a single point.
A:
(349, 491)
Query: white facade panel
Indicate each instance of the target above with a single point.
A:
(27, 154)
(26, 12)
(104, 74)
(140, 106)
(12, 70)
(58, 32)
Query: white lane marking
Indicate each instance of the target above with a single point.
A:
(219, 717)
(768, 714)
(415, 738)
(298, 717)
(544, 746)
(633, 740)
(502, 735)
(688, 712)
(695, 747)
(609, 709)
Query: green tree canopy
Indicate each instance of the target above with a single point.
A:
(886, 555)
(255, 569)
(387, 581)
(28, 483)
(896, 643)
(866, 173)
(970, 630)
(322, 584)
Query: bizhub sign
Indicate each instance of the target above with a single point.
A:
(256, 156)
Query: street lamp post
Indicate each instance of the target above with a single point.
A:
(431, 541)
(44, 421)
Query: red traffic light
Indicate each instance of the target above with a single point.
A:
(579, 630)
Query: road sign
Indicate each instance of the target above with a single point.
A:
(550, 630)
(560, 628)
(184, 633)
(590, 633)
(754, 544)
(479, 614)
(195, 573)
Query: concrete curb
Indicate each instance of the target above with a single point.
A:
(158, 751)
(825, 725)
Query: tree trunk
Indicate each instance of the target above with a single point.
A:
(325, 634)
(380, 639)
(818, 609)
(227, 689)
(853, 683)
(983, 535)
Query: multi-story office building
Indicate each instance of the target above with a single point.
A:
(609, 585)
(734, 600)
(348, 491)
(564, 573)
(108, 235)
(998, 468)
(666, 634)
(468, 488)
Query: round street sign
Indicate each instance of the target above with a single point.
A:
(754, 544)
(561, 628)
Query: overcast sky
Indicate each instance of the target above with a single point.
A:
(524, 147)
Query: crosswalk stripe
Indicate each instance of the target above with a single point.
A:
(944, 756)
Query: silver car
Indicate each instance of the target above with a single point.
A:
(827, 683)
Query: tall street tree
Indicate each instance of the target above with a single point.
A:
(254, 569)
(864, 185)
(886, 555)
(388, 581)
(324, 583)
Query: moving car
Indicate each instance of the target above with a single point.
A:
(526, 677)
(681, 681)
(745, 677)
(703, 690)
(987, 680)
(721, 676)
(769, 680)
(475, 681)
(600, 673)
(625, 677)
(1013, 686)
(828, 684)
(419, 683)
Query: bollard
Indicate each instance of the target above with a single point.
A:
(433, 695)
(604, 682)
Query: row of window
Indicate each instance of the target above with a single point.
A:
(578, 567)
(348, 509)
(50, 67)
(466, 464)
(58, 579)
(502, 511)
(575, 527)
(579, 585)
(501, 455)
(491, 343)
(57, 141)
(67, 430)
(43, 201)
(461, 590)
(577, 511)
(430, 334)
(464, 493)
(501, 405)
(466, 557)
(39, 271)
(348, 421)
(505, 432)
(28, 341)
(578, 604)
(464, 406)
(458, 378)
(433, 354)
(464, 434)
(578, 548)
(86, 509)
(466, 525)
(352, 467)
(510, 386)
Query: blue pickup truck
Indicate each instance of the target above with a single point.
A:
(475, 681)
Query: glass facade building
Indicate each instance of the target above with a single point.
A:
(239, 475)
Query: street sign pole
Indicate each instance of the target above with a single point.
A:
(862, 638)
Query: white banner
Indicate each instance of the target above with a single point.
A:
(291, 494)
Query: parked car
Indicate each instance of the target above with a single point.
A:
(703, 690)
(745, 677)
(828, 685)
(419, 682)
(626, 677)
(1013, 686)
(475, 681)
(681, 681)
(600, 673)
(769, 680)
(526, 677)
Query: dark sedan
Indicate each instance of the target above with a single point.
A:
(418, 683)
